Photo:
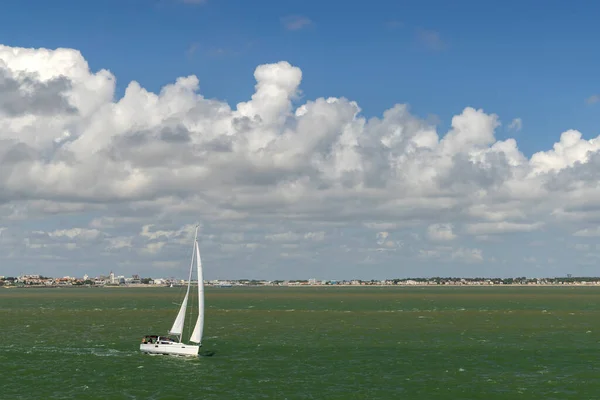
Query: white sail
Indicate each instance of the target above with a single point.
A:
(177, 328)
(199, 327)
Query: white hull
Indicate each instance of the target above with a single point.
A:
(174, 349)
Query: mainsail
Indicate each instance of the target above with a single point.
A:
(199, 327)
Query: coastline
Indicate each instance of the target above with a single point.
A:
(144, 286)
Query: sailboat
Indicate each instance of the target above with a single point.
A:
(172, 344)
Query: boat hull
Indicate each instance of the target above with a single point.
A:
(172, 349)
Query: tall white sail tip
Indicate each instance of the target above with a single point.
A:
(196, 232)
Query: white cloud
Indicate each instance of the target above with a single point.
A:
(440, 232)
(315, 236)
(571, 149)
(183, 235)
(103, 175)
(82, 233)
(516, 125)
(588, 232)
(295, 22)
(487, 228)
(121, 242)
(289, 237)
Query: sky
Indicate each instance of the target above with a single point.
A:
(309, 139)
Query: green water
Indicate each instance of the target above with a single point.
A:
(306, 343)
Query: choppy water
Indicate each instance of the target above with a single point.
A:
(306, 343)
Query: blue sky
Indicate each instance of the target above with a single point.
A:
(517, 59)
(533, 61)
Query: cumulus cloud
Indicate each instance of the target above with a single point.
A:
(138, 170)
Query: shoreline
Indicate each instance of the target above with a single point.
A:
(143, 286)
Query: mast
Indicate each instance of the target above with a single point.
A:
(177, 328)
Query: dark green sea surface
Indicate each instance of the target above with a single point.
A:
(306, 343)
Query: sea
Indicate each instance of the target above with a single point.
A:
(305, 343)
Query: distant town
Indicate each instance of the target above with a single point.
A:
(112, 280)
